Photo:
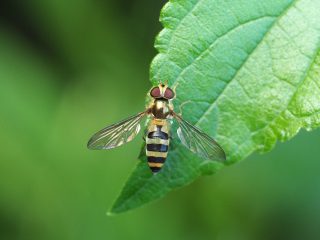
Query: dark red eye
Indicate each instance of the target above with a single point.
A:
(155, 92)
(169, 94)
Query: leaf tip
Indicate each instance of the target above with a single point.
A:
(112, 212)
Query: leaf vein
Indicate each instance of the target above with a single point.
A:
(213, 43)
(244, 62)
(303, 79)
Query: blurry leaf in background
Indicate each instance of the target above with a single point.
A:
(28, 100)
(60, 71)
(251, 70)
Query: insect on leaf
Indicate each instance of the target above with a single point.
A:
(251, 70)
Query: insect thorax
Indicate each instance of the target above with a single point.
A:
(160, 108)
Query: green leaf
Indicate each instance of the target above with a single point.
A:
(251, 69)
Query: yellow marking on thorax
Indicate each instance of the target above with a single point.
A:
(159, 122)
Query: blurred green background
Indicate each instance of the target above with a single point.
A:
(67, 69)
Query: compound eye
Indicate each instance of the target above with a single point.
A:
(169, 94)
(155, 92)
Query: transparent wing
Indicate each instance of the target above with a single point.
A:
(199, 142)
(117, 134)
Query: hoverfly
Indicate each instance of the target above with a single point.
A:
(160, 112)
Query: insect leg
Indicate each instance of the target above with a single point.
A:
(175, 87)
(181, 106)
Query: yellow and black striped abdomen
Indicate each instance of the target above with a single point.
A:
(157, 141)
